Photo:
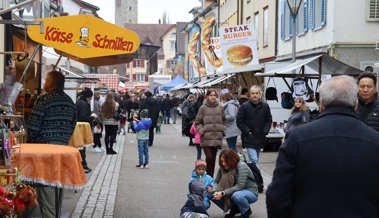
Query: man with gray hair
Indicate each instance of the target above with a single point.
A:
(254, 120)
(322, 165)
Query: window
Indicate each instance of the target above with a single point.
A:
(130, 8)
(130, 20)
(248, 20)
(317, 13)
(172, 45)
(312, 14)
(265, 27)
(173, 35)
(140, 77)
(256, 26)
(138, 63)
(372, 10)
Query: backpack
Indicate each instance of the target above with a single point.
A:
(287, 100)
(258, 179)
(300, 88)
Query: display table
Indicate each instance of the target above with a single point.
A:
(51, 165)
(82, 135)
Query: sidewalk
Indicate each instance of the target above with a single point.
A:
(116, 188)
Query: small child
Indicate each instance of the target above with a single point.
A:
(194, 206)
(122, 124)
(196, 140)
(199, 173)
(142, 128)
(97, 133)
(159, 123)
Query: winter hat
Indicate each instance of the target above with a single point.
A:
(200, 163)
(87, 93)
(148, 94)
(144, 113)
(197, 189)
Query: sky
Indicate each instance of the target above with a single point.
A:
(149, 11)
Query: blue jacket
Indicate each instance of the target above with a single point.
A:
(142, 128)
(208, 181)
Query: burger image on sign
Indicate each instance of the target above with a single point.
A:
(239, 55)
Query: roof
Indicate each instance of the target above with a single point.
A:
(151, 32)
(87, 5)
(180, 38)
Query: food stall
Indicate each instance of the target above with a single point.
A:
(83, 38)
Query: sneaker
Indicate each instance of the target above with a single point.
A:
(174, 122)
(139, 166)
(97, 150)
(146, 166)
(103, 149)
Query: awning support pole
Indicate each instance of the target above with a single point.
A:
(16, 6)
(56, 64)
(29, 62)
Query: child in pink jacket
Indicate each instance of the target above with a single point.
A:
(196, 140)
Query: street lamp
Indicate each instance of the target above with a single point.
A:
(294, 6)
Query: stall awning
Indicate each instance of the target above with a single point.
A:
(202, 83)
(180, 86)
(77, 77)
(254, 68)
(323, 64)
(217, 80)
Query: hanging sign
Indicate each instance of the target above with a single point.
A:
(84, 36)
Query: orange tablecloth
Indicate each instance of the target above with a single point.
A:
(53, 165)
(82, 135)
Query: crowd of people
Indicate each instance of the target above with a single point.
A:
(347, 128)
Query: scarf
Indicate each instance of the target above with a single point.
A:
(226, 181)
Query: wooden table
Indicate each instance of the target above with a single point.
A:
(82, 135)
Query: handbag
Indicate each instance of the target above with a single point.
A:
(116, 115)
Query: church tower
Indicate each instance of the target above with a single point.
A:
(126, 11)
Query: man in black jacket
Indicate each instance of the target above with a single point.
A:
(83, 113)
(322, 165)
(254, 120)
(368, 107)
(152, 105)
(166, 107)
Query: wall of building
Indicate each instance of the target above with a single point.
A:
(169, 53)
(2, 66)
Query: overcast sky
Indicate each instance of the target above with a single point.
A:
(149, 11)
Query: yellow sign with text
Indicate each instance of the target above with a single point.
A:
(84, 36)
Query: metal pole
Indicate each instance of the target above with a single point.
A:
(16, 6)
(293, 38)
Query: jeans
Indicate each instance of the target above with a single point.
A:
(242, 199)
(143, 149)
(232, 142)
(198, 148)
(173, 112)
(253, 155)
(166, 114)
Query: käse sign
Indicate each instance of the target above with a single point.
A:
(85, 36)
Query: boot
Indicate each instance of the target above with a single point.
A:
(233, 211)
(247, 213)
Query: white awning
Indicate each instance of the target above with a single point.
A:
(328, 64)
(180, 86)
(200, 84)
(217, 80)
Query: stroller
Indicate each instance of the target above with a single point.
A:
(132, 114)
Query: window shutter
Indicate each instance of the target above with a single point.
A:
(134, 77)
(290, 25)
(312, 14)
(168, 64)
(305, 15)
(282, 22)
(134, 63)
(142, 63)
(145, 78)
(323, 12)
(127, 65)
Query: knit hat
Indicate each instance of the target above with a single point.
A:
(87, 93)
(200, 163)
(144, 113)
(148, 94)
